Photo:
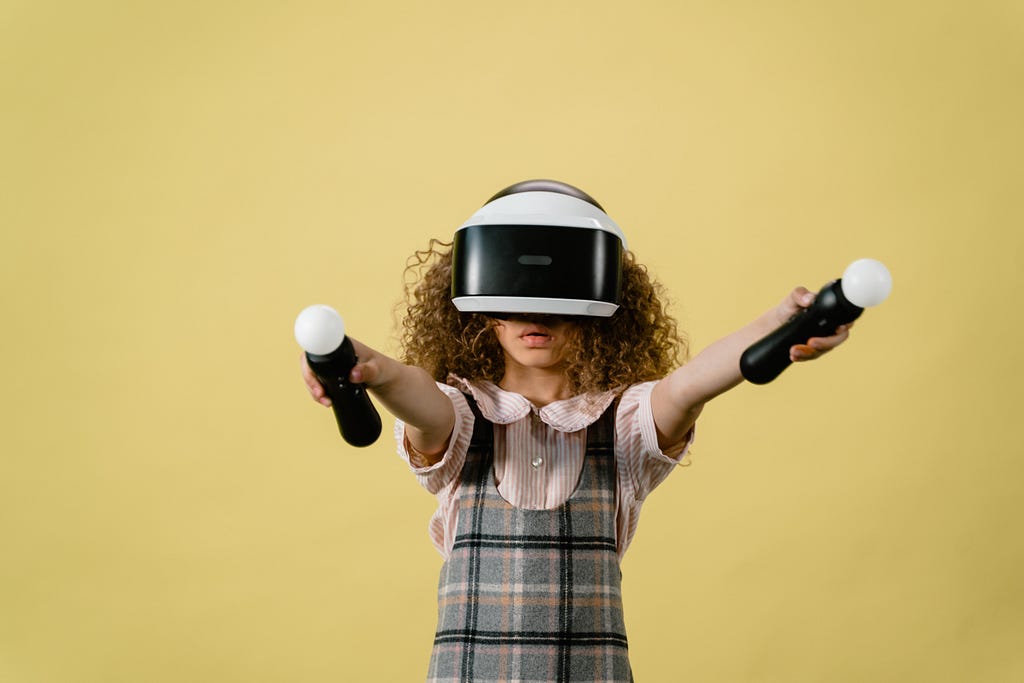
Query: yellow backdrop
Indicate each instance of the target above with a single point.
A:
(179, 179)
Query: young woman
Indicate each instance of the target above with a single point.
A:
(541, 435)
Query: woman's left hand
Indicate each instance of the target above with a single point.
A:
(799, 299)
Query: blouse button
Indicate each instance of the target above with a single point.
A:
(537, 461)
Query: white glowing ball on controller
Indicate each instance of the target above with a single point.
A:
(319, 329)
(866, 282)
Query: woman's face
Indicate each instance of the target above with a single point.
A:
(534, 340)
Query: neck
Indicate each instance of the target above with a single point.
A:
(539, 387)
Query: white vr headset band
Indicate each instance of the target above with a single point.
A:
(480, 287)
(545, 208)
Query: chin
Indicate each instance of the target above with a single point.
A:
(537, 361)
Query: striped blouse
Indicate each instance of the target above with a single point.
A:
(538, 452)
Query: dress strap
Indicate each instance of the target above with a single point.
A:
(483, 429)
(601, 434)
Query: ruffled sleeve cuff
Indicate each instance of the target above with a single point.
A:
(435, 477)
(642, 464)
(674, 454)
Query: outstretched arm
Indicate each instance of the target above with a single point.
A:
(408, 392)
(679, 398)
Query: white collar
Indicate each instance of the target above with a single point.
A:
(505, 407)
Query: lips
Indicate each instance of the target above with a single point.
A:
(536, 336)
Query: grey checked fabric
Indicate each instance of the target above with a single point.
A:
(533, 595)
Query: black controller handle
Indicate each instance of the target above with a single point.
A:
(765, 360)
(358, 420)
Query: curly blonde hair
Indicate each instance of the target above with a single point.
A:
(640, 342)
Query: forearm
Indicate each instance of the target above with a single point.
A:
(410, 394)
(679, 398)
(716, 369)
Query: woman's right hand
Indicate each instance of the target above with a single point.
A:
(408, 392)
(316, 390)
(366, 371)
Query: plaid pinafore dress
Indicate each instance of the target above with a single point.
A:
(533, 595)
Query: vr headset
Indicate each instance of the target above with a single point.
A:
(539, 246)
